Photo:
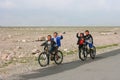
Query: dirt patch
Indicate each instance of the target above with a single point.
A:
(18, 44)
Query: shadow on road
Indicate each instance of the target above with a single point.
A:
(66, 66)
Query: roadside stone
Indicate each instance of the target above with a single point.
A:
(7, 55)
(66, 50)
(9, 36)
(37, 54)
(35, 51)
(64, 32)
(24, 41)
(18, 47)
(41, 38)
(10, 56)
(4, 56)
(115, 32)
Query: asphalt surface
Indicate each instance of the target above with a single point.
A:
(106, 66)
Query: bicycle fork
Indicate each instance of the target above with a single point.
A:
(48, 56)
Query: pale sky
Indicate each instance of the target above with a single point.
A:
(59, 12)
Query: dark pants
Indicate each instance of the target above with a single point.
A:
(80, 46)
(53, 49)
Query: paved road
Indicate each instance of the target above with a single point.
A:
(105, 67)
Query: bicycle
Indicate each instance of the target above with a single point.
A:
(44, 57)
(85, 50)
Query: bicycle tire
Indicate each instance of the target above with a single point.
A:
(43, 56)
(82, 54)
(58, 55)
(93, 52)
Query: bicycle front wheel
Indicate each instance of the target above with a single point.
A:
(43, 59)
(93, 52)
(82, 54)
(58, 57)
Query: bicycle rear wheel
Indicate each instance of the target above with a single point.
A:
(58, 57)
(82, 54)
(43, 59)
(93, 52)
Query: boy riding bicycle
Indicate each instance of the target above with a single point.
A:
(57, 39)
(49, 44)
(50, 52)
(88, 39)
(81, 40)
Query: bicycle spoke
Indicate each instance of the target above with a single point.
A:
(43, 59)
(58, 57)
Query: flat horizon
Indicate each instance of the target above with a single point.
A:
(55, 26)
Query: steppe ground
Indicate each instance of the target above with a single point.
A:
(19, 43)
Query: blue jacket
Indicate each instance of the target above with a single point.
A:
(58, 42)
